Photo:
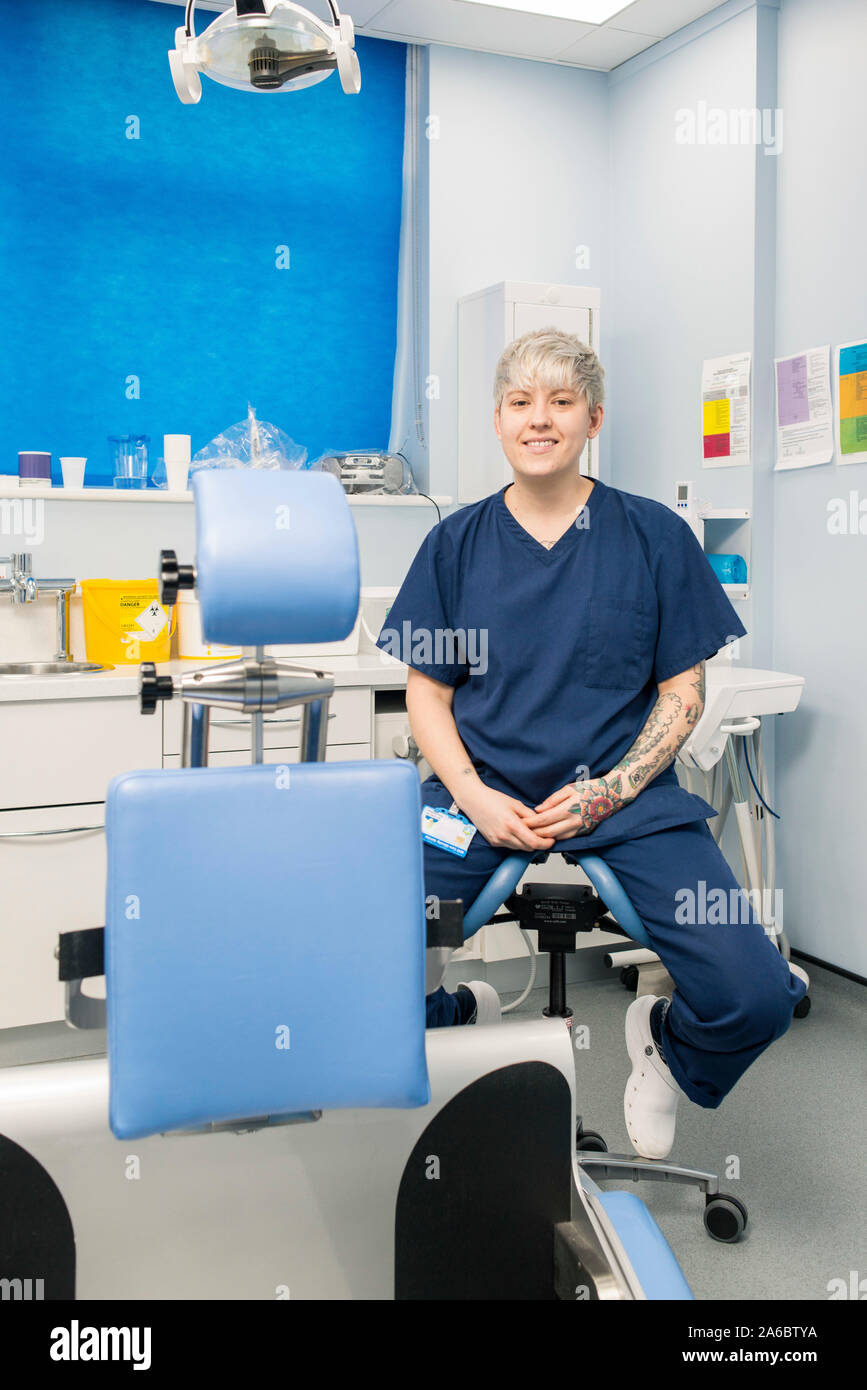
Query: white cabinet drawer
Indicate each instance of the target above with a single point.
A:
(334, 753)
(348, 722)
(52, 879)
(59, 752)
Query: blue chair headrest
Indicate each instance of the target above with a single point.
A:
(276, 557)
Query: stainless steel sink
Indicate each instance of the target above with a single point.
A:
(49, 668)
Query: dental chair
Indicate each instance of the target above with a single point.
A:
(272, 1120)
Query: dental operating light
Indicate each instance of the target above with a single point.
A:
(264, 46)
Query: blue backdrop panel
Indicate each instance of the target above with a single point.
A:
(140, 238)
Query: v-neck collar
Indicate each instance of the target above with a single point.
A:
(566, 540)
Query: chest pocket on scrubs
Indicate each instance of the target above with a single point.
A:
(619, 644)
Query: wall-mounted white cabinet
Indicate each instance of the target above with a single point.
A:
(488, 321)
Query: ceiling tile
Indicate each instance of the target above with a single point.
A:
(661, 17)
(606, 48)
(475, 26)
(362, 11)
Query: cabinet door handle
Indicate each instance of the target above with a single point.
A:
(30, 834)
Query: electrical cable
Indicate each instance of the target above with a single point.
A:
(755, 788)
(534, 958)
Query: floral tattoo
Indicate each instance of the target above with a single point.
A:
(598, 800)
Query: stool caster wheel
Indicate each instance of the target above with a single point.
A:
(725, 1218)
(802, 1008)
(588, 1140)
(629, 978)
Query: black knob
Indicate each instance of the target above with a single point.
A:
(174, 577)
(153, 688)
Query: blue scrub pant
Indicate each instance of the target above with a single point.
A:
(734, 994)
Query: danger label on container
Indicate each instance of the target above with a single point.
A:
(152, 620)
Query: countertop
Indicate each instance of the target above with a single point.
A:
(376, 670)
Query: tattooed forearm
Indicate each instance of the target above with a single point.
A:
(670, 723)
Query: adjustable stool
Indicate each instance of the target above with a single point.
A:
(558, 912)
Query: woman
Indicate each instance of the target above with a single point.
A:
(556, 634)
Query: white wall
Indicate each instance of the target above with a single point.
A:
(820, 610)
(682, 250)
(518, 180)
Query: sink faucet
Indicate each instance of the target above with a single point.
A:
(23, 588)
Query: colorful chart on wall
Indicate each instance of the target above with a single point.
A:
(804, 414)
(851, 375)
(725, 411)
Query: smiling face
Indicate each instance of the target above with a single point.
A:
(544, 431)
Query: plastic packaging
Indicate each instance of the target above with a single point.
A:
(251, 443)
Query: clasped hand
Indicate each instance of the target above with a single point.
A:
(575, 809)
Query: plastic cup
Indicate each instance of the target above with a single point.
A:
(176, 447)
(177, 474)
(73, 472)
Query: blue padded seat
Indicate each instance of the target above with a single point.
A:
(265, 942)
(505, 878)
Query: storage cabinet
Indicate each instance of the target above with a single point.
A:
(52, 879)
(56, 752)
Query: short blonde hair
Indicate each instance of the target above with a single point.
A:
(551, 358)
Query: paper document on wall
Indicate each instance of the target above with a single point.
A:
(804, 416)
(725, 410)
(851, 375)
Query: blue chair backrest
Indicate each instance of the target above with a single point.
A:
(265, 928)
(265, 942)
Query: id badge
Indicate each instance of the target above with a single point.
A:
(446, 829)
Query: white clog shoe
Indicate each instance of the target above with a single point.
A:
(650, 1100)
(487, 1001)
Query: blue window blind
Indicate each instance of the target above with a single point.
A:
(141, 242)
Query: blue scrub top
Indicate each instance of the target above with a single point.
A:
(555, 655)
